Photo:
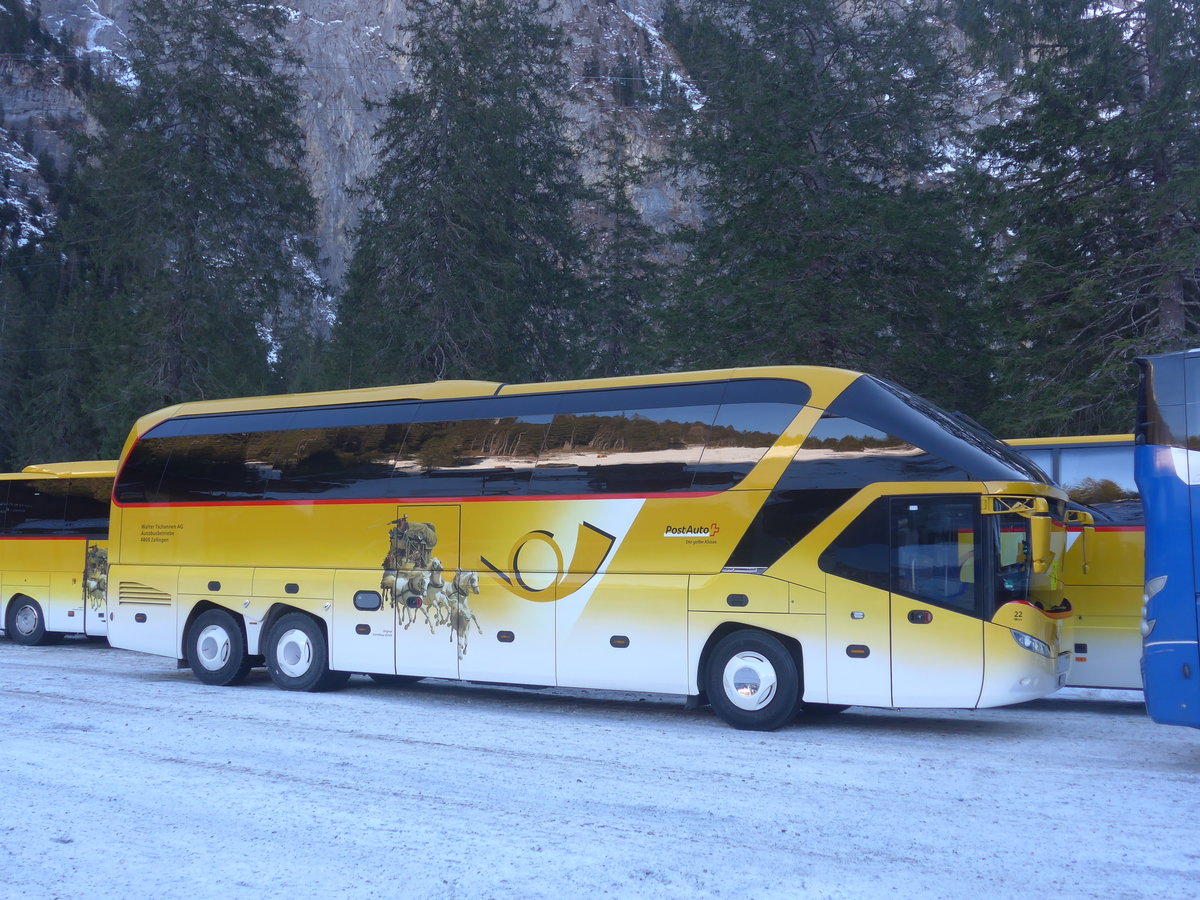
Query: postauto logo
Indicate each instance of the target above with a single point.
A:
(691, 531)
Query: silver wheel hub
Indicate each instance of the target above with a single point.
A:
(294, 653)
(213, 647)
(26, 620)
(749, 680)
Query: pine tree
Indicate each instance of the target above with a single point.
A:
(465, 263)
(617, 328)
(831, 236)
(41, 381)
(1091, 181)
(193, 234)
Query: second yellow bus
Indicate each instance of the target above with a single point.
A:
(53, 550)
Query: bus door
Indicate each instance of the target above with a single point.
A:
(503, 608)
(419, 573)
(95, 588)
(857, 611)
(937, 632)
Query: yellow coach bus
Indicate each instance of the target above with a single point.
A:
(769, 540)
(1103, 572)
(53, 550)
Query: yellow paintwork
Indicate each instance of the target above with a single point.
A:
(1071, 441)
(602, 592)
(82, 469)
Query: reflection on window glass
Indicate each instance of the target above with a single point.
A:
(1102, 477)
(470, 457)
(845, 453)
(741, 435)
(1098, 477)
(837, 434)
(635, 446)
(335, 462)
(627, 440)
(211, 466)
(934, 544)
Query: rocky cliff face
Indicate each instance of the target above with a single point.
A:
(617, 60)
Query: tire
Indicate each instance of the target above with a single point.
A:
(393, 680)
(26, 623)
(298, 656)
(753, 681)
(216, 648)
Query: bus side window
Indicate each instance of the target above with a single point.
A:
(212, 466)
(36, 507)
(336, 461)
(752, 416)
(626, 440)
(935, 542)
(861, 552)
(87, 506)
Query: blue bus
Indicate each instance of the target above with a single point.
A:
(1167, 470)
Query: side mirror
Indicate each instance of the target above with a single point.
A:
(1039, 543)
(1086, 523)
(1036, 510)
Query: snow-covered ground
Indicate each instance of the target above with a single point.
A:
(122, 777)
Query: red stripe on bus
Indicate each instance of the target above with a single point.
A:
(418, 501)
(50, 537)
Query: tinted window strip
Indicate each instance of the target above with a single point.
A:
(170, 463)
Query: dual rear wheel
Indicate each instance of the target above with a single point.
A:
(216, 648)
(296, 651)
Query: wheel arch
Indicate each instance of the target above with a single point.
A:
(726, 628)
(198, 610)
(8, 604)
(276, 612)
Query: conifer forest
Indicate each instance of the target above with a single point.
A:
(995, 203)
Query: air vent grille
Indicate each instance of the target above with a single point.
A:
(133, 592)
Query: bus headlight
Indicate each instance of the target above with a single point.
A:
(1030, 643)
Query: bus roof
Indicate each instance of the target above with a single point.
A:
(88, 468)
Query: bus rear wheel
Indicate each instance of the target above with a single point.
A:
(26, 624)
(298, 656)
(216, 648)
(753, 681)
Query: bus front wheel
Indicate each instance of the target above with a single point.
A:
(298, 656)
(753, 681)
(26, 623)
(216, 648)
